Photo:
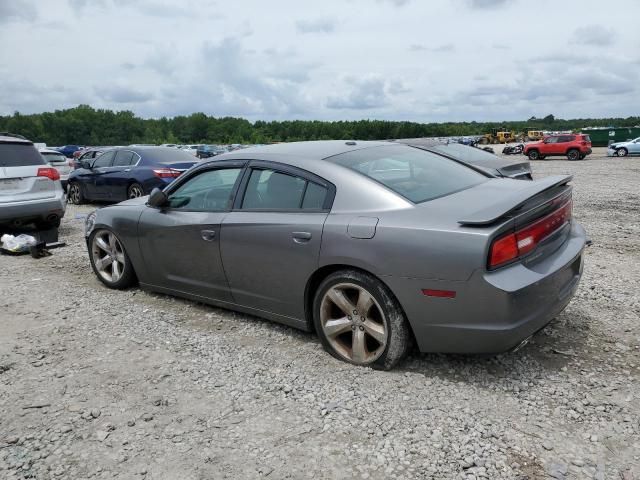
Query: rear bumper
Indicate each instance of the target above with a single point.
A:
(33, 209)
(493, 312)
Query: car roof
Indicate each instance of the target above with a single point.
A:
(48, 150)
(6, 139)
(313, 150)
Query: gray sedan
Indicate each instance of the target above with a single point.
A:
(373, 245)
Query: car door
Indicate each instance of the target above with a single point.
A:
(116, 180)
(549, 146)
(181, 242)
(98, 168)
(270, 242)
(633, 147)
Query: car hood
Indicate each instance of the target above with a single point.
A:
(618, 144)
(132, 202)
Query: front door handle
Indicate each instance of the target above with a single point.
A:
(301, 237)
(208, 235)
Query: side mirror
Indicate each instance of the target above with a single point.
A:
(157, 198)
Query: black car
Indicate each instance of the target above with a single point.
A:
(126, 172)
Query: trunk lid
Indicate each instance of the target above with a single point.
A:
(18, 184)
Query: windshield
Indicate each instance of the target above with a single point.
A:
(19, 155)
(413, 173)
(53, 157)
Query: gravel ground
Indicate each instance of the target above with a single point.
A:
(101, 384)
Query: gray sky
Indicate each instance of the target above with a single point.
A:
(415, 60)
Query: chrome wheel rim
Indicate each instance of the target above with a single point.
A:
(74, 193)
(135, 191)
(622, 152)
(108, 256)
(353, 323)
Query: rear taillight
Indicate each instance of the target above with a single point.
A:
(167, 173)
(50, 173)
(513, 245)
(71, 163)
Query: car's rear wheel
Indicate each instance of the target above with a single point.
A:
(533, 155)
(109, 260)
(135, 190)
(75, 194)
(573, 155)
(359, 321)
(622, 152)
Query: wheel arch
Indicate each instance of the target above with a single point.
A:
(323, 272)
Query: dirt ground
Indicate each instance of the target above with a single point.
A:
(125, 384)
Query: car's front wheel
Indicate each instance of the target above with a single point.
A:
(359, 321)
(622, 152)
(135, 190)
(109, 260)
(533, 155)
(75, 194)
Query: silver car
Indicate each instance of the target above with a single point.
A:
(30, 189)
(57, 160)
(373, 245)
(622, 149)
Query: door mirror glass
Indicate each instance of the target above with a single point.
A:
(157, 198)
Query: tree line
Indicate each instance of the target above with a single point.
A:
(84, 125)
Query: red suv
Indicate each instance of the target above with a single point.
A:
(575, 146)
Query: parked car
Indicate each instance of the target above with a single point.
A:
(475, 157)
(575, 146)
(57, 160)
(30, 190)
(371, 244)
(191, 149)
(126, 172)
(622, 149)
(68, 150)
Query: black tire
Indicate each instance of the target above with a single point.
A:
(399, 337)
(47, 224)
(533, 154)
(75, 194)
(573, 154)
(622, 152)
(582, 157)
(127, 278)
(135, 190)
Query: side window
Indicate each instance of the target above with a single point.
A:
(123, 158)
(104, 160)
(314, 197)
(552, 140)
(268, 189)
(209, 191)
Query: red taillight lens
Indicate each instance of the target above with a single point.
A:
(50, 173)
(166, 173)
(503, 250)
(514, 245)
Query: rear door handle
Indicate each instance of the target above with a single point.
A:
(301, 237)
(208, 235)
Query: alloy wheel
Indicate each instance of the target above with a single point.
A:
(353, 323)
(135, 191)
(74, 193)
(108, 256)
(622, 152)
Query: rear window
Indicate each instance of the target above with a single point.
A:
(54, 157)
(166, 155)
(415, 174)
(19, 155)
(586, 138)
(464, 153)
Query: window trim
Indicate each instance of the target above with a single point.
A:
(131, 165)
(287, 170)
(220, 165)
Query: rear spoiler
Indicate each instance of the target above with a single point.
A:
(493, 212)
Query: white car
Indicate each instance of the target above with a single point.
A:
(30, 189)
(191, 149)
(62, 164)
(622, 149)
